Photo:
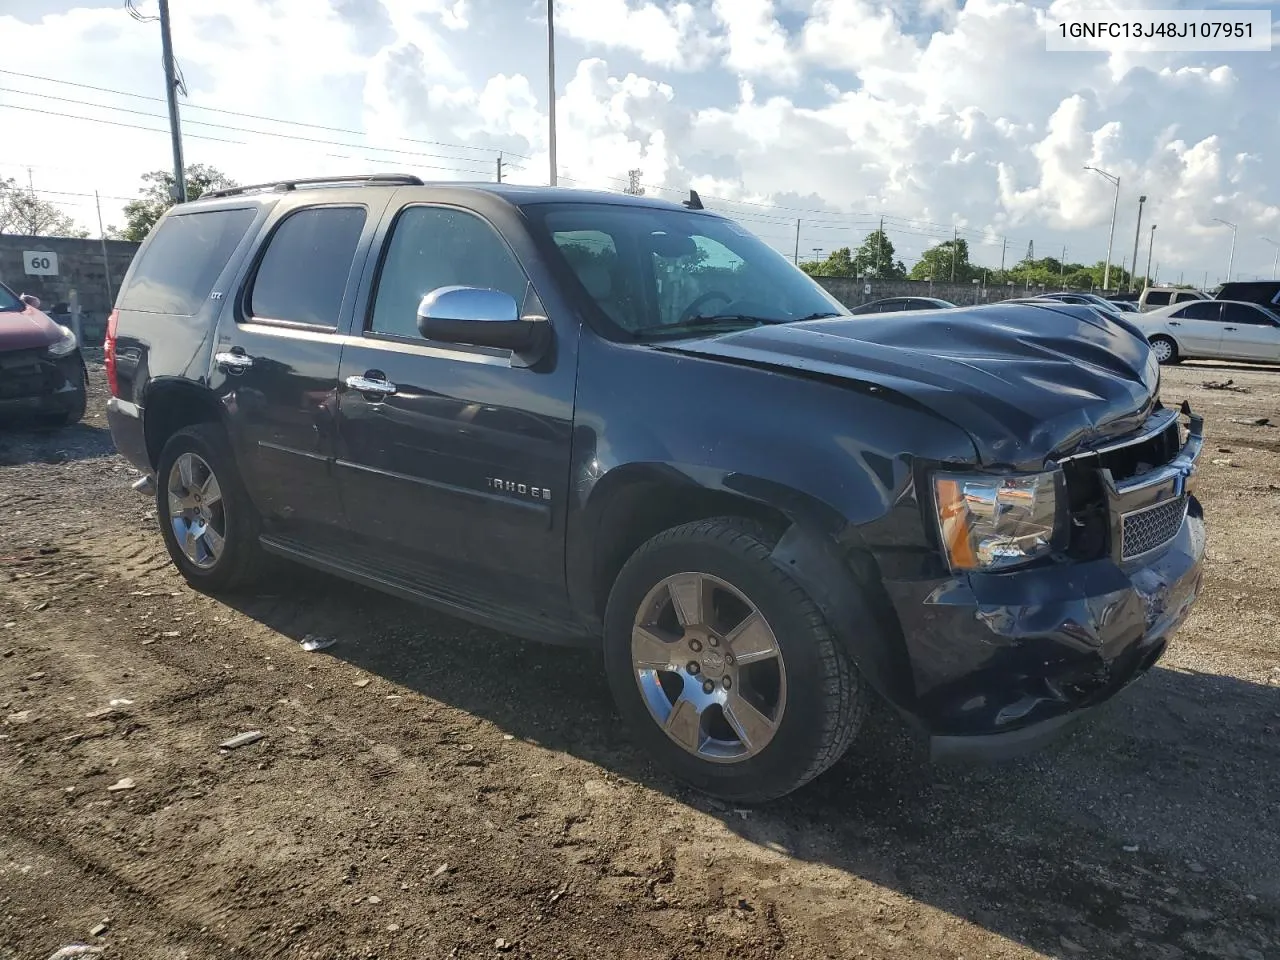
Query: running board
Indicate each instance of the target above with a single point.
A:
(484, 611)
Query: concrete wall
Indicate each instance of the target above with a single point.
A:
(850, 291)
(80, 268)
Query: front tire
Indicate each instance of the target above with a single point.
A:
(1165, 349)
(207, 520)
(724, 668)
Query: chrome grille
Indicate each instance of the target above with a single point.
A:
(1146, 530)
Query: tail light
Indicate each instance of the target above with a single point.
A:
(109, 353)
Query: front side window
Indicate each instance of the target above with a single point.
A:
(1200, 310)
(433, 247)
(9, 302)
(654, 272)
(303, 274)
(1240, 313)
(1158, 298)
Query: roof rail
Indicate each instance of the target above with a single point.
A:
(365, 179)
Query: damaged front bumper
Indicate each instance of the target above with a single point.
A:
(1001, 662)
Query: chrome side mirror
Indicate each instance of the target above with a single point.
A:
(30, 300)
(480, 318)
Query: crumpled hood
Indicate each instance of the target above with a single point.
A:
(25, 330)
(1024, 381)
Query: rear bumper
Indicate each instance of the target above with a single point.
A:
(46, 387)
(125, 422)
(1003, 663)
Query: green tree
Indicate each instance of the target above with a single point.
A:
(937, 262)
(875, 259)
(23, 213)
(157, 197)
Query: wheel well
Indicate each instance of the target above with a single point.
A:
(172, 408)
(646, 509)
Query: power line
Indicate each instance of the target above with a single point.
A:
(114, 123)
(254, 116)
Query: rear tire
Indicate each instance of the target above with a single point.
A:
(207, 520)
(745, 731)
(1165, 349)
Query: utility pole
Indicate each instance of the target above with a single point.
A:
(1115, 208)
(1062, 269)
(551, 84)
(1150, 244)
(102, 237)
(499, 167)
(879, 254)
(171, 94)
(1136, 231)
(955, 242)
(1004, 245)
(796, 259)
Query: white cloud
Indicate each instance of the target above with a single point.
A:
(926, 111)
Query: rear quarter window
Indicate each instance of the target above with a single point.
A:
(179, 267)
(1158, 298)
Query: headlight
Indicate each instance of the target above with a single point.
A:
(64, 346)
(988, 522)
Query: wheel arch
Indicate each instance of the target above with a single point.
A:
(811, 542)
(171, 405)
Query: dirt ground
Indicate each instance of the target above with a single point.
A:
(425, 789)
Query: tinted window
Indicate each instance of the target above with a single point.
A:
(9, 301)
(434, 247)
(176, 273)
(303, 274)
(1158, 298)
(1200, 310)
(1239, 313)
(660, 267)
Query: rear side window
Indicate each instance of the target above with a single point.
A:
(1201, 310)
(303, 273)
(1158, 298)
(176, 273)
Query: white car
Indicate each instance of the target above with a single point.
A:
(1212, 329)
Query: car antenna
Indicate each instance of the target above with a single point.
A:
(694, 202)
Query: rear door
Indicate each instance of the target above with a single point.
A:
(1249, 333)
(277, 353)
(457, 472)
(1198, 328)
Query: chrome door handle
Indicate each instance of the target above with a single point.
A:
(365, 385)
(234, 361)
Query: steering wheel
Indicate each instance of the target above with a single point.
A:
(693, 309)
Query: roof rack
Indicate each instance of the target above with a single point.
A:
(366, 179)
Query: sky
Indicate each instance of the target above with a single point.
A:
(935, 115)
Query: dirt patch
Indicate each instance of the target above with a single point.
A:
(423, 788)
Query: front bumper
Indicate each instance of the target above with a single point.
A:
(1002, 662)
(33, 384)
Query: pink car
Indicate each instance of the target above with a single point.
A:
(42, 373)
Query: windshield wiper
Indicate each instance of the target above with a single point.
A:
(816, 316)
(713, 320)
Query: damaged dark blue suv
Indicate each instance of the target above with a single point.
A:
(591, 418)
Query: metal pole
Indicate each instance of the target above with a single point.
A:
(1062, 269)
(955, 242)
(102, 237)
(1276, 262)
(551, 83)
(1115, 208)
(1136, 231)
(796, 259)
(171, 93)
(1231, 258)
(879, 236)
(1003, 246)
(1150, 245)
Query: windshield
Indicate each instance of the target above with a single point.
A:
(658, 273)
(9, 302)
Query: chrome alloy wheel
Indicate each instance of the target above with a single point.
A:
(1162, 349)
(195, 510)
(709, 667)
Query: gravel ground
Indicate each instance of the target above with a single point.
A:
(427, 789)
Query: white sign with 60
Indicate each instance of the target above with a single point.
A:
(39, 263)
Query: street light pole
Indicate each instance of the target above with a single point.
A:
(1137, 231)
(1151, 243)
(551, 84)
(1115, 208)
(1276, 261)
(1231, 259)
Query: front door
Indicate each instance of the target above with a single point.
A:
(1249, 333)
(1198, 327)
(458, 462)
(276, 364)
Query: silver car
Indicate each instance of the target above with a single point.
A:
(1212, 329)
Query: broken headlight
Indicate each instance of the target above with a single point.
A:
(993, 522)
